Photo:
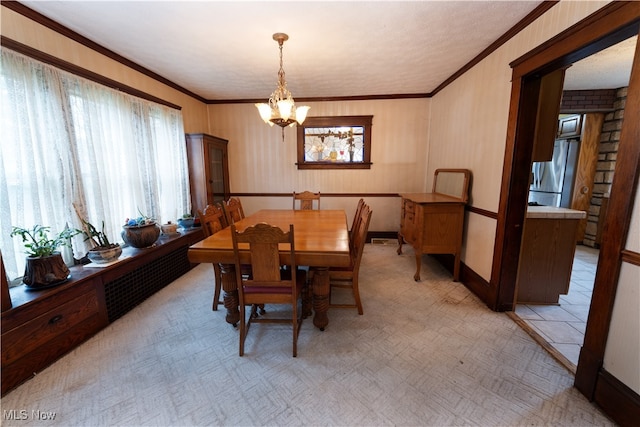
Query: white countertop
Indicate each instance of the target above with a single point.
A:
(554, 213)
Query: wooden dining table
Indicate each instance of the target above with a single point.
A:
(321, 241)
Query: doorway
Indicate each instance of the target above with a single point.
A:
(561, 327)
(615, 22)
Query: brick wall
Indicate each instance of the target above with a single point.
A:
(587, 101)
(607, 153)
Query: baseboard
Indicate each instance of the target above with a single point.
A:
(617, 400)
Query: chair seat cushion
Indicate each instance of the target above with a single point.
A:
(301, 279)
(267, 290)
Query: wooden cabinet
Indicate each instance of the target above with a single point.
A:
(432, 224)
(546, 254)
(43, 325)
(570, 126)
(4, 286)
(550, 95)
(208, 170)
(35, 335)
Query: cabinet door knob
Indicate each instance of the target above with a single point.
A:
(55, 319)
(585, 189)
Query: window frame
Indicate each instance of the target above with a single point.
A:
(336, 121)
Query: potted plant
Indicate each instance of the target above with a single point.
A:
(140, 232)
(102, 250)
(45, 266)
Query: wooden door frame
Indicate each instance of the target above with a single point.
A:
(613, 23)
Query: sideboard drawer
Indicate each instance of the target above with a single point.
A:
(34, 333)
(409, 206)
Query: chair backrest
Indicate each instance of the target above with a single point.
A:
(233, 210)
(306, 199)
(360, 238)
(356, 220)
(263, 240)
(212, 219)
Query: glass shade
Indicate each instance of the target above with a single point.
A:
(301, 113)
(265, 112)
(284, 107)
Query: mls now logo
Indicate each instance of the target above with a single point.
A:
(23, 414)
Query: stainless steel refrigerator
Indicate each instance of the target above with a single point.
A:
(552, 182)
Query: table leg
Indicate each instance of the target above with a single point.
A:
(307, 297)
(230, 288)
(321, 297)
(400, 242)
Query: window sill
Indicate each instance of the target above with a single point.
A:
(334, 165)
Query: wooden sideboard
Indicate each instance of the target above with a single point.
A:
(42, 325)
(432, 223)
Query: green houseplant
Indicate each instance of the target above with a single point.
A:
(45, 266)
(102, 250)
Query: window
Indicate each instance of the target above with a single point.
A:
(335, 143)
(70, 142)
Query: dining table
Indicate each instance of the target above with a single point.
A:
(321, 239)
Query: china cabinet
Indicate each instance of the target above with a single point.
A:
(208, 170)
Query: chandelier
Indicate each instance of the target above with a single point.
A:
(281, 109)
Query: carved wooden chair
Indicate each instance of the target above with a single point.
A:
(233, 210)
(306, 200)
(214, 220)
(356, 221)
(347, 277)
(268, 283)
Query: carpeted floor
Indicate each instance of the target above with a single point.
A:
(427, 353)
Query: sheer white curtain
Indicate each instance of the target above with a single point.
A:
(67, 140)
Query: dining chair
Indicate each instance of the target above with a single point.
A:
(268, 283)
(356, 221)
(347, 277)
(214, 220)
(306, 199)
(233, 210)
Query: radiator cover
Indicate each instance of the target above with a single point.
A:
(126, 292)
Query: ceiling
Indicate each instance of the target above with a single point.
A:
(223, 50)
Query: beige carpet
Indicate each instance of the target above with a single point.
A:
(427, 353)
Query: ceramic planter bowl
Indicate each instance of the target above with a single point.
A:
(185, 223)
(141, 236)
(103, 255)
